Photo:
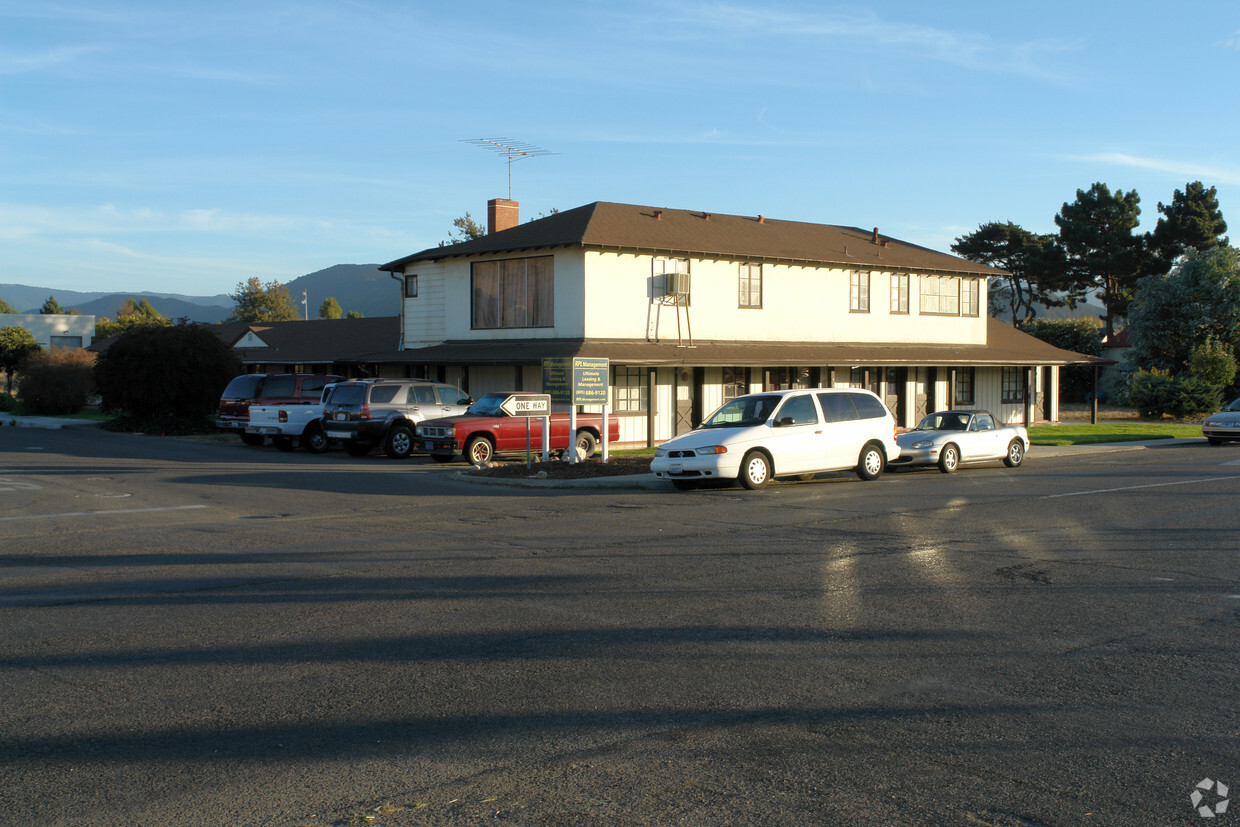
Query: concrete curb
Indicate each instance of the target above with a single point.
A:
(50, 423)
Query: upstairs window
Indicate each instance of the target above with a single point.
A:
(750, 289)
(899, 293)
(512, 293)
(970, 291)
(859, 291)
(940, 295)
(411, 286)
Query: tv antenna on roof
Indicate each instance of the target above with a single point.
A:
(510, 149)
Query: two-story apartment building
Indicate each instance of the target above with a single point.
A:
(693, 308)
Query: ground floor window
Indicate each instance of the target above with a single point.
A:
(632, 393)
(782, 379)
(964, 386)
(735, 383)
(1013, 386)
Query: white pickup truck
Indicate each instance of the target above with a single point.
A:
(292, 425)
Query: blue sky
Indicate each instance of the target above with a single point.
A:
(184, 147)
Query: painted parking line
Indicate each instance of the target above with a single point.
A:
(101, 513)
(1134, 487)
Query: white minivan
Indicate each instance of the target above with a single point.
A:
(760, 436)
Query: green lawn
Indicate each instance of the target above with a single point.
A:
(1083, 434)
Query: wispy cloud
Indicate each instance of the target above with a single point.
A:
(1186, 170)
(1232, 42)
(865, 31)
(20, 63)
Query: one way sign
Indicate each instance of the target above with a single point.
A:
(527, 404)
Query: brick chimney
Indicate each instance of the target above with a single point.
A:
(502, 214)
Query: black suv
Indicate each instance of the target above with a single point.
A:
(363, 415)
(267, 389)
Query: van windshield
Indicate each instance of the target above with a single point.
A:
(743, 412)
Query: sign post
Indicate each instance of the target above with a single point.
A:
(527, 405)
(574, 381)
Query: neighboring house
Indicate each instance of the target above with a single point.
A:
(693, 308)
(54, 329)
(1115, 378)
(348, 347)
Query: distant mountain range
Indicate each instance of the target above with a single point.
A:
(360, 287)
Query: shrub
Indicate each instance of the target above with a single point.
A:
(7, 403)
(1156, 392)
(58, 380)
(1213, 363)
(166, 379)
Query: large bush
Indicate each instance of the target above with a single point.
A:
(56, 381)
(1156, 392)
(166, 379)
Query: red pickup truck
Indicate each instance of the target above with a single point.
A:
(485, 430)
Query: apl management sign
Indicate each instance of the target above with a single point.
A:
(576, 380)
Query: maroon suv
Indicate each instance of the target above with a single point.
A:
(267, 389)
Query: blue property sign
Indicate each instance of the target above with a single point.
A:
(576, 380)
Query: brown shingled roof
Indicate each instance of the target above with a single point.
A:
(1005, 346)
(607, 226)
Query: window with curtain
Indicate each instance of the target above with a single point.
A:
(512, 293)
(940, 295)
(859, 291)
(970, 291)
(750, 286)
(899, 293)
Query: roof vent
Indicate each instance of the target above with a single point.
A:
(875, 239)
(658, 215)
(761, 219)
(706, 216)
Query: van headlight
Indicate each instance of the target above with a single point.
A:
(711, 449)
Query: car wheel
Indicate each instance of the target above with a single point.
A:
(871, 462)
(315, 441)
(356, 449)
(1015, 454)
(586, 444)
(479, 450)
(252, 439)
(399, 442)
(755, 470)
(685, 485)
(949, 458)
(284, 443)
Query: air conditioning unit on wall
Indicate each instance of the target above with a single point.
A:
(675, 284)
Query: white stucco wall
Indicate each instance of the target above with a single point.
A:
(619, 296)
(799, 304)
(46, 327)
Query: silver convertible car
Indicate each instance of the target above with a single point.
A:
(1223, 425)
(948, 438)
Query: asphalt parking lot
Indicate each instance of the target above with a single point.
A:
(202, 633)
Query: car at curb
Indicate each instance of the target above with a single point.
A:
(367, 414)
(1223, 426)
(266, 389)
(755, 438)
(949, 439)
